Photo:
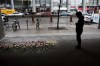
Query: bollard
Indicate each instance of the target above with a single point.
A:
(27, 23)
(71, 18)
(33, 18)
(51, 18)
(37, 24)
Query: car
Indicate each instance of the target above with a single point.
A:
(48, 13)
(84, 13)
(44, 14)
(4, 17)
(38, 13)
(26, 13)
(88, 18)
(16, 14)
(65, 14)
(55, 14)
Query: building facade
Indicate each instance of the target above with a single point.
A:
(46, 5)
(28, 4)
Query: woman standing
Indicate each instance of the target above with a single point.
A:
(79, 28)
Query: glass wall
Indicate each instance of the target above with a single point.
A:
(43, 5)
(22, 5)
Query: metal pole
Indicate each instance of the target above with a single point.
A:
(27, 23)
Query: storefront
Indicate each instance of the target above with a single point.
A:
(22, 5)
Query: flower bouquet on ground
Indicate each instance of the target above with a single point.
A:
(26, 47)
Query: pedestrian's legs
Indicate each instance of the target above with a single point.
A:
(78, 37)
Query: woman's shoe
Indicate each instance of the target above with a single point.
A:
(78, 47)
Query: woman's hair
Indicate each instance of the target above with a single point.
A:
(79, 15)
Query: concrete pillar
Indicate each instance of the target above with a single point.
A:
(99, 22)
(22, 3)
(51, 10)
(98, 2)
(68, 6)
(1, 28)
(12, 4)
(51, 5)
(33, 9)
(33, 6)
(84, 5)
(76, 4)
(31, 3)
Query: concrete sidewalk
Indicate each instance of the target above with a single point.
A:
(45, 24)
(63, 54)
(44, 31)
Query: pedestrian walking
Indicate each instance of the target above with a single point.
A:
(79, 28)
(37, 24)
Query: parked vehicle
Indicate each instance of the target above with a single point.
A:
(15, 25)
(26, 13)
(16, 14)
(4, 17)
(7, 11)
(38, 13)
(65, 14)
(5, 25)
(44, 13)
(88, 18)
(84, 13)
